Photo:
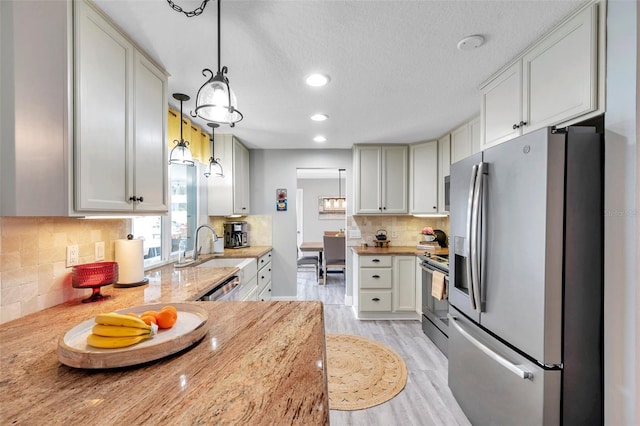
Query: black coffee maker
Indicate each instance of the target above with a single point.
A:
(441, 237)
(235, 235)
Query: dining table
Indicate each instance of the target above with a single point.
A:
(316, 247)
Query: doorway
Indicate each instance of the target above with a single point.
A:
(320, 209)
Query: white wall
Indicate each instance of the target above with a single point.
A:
(313, 225)
(621, 310)
(273, 169)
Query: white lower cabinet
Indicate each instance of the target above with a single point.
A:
(264, 277)
(385, 287)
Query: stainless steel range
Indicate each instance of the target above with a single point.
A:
(435, 323)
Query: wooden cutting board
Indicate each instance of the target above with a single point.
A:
(190, 328)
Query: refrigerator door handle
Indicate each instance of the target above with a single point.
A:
(515, 369)
(476, 237)
(469, 244)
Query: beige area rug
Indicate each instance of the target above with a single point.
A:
(362, 372)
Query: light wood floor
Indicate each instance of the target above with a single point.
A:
(426, 399)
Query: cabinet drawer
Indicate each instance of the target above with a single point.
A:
(265, 294)
(264, 276)
(375, 261)
(375, 301)
(263, 260)
(375, 278)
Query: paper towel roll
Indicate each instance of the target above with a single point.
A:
(130, 258)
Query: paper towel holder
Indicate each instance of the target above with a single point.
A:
(144, 281)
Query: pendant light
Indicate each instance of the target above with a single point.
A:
(180, 153)
(215, 166)
(215, 100)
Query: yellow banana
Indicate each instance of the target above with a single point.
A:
(121, 320)
(113, 342)
(118, 331)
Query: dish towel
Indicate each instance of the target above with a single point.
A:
(437, 285)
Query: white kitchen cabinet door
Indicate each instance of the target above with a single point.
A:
(241, 193)
(501, 107)
(150, 143)
(368, 190)
(560, 74)
(460, 143)
(103, 99)
(423, 178)
(229, 195)
(474, 134)
(444, 164)
(404, 284)
(395, 185)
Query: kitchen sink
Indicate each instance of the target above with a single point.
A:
(227, 262)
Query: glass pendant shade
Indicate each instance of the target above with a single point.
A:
(180, 154)
(215, 168)
(215, 101)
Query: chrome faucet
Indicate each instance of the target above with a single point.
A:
(196, 249)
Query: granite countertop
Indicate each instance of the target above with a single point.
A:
(260, 362)
(396, 250)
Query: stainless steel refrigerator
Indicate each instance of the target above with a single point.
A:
(526, 280)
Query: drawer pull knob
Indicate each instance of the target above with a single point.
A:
(375, 276)
(375, 299)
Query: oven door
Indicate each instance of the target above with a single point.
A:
(435, 310)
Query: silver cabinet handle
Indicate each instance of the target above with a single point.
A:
(518, 370)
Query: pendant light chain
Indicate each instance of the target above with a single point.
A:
(195, 12)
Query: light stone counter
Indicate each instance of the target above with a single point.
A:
(259, 363)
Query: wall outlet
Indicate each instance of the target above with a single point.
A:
(99, 251)
(394, 234)
(72, 255)
(355, 233)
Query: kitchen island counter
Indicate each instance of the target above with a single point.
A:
(259, 363)
(396, 250)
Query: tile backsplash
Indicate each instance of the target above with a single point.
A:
(401, 230)
(33, 253)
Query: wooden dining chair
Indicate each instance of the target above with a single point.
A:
(333, 254)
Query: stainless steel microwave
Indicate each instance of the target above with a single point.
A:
(447, 185)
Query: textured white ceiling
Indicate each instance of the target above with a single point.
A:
(396, 75)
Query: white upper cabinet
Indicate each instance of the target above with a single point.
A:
(381, 179)
(444, 163)
(229, 195)
(84, 95)
(501, 107)
(474, 134)
(460, 143)
(423, 178)
(150, 160)
(120, 121)
(556, 82)
(561, 73)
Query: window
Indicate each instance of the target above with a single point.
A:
(162, 234)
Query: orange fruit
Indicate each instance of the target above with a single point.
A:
(166, 319)
(170, 308)
(152, 313)
(133, 314)
(148, 319)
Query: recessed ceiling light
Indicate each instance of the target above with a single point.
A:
(319, 117)
(471, 42)
(317, 80)
(319, 139)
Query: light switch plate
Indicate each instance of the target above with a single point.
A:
(99, 251)
(355, 233)
(72, 255)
